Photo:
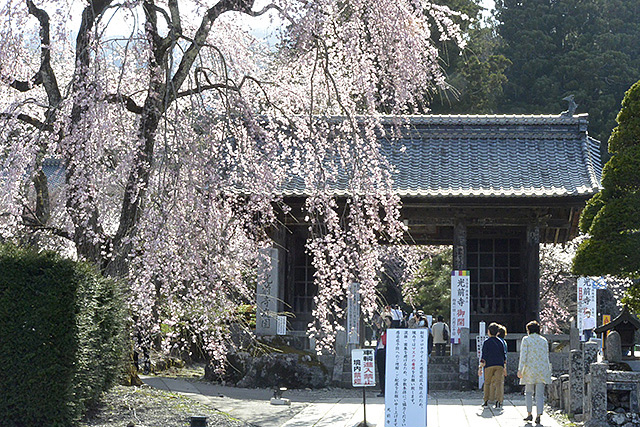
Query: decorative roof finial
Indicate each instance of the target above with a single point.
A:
(572, 107)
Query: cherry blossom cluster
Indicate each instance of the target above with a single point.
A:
(175, 131)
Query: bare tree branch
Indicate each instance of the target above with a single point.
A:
(128, 102)
(88, 230)
(265, 10)
(176, 23)
(45, 74)
(28, 120)
(210, 86)
(199, 40)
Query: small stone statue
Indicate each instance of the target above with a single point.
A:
(613, 347)
(572, 107)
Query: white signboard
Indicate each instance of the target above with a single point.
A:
(405, 399)
(353, 314)
(267, 292)
(282, 325)
(480, 339)
(460, 298)
(363, 368)
(586, 301)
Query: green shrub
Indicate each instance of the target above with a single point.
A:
(61, 340)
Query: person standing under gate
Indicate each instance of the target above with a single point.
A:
(501, 335)
(588, 325)
(534, 369)
(441, 334)
(397, 316)
(493, 362)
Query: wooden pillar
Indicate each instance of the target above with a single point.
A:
(532, 273)
(460, 246)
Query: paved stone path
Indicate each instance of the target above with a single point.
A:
(343, 407)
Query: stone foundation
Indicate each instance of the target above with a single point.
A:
(272, 370)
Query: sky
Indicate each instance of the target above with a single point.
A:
(263, 28)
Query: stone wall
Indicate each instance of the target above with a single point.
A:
(602, 397)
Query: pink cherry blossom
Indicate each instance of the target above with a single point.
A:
(176, 131)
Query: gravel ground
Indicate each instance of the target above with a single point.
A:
(147, 407)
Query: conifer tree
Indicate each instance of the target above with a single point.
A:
(588, 48)
(612, 217)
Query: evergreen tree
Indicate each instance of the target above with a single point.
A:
(475, 73)
(587, 48)
(612, 217)
(430, 288)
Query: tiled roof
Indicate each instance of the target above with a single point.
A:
(493, 156)
(54, 171)
(479, 156)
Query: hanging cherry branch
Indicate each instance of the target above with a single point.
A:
(174, 142)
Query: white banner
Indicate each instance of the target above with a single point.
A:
(460, 299)
(480, 339)
(363, 368)
(405, 399)
(586, 301)
(353, 314)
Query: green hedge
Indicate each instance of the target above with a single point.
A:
(61, 337)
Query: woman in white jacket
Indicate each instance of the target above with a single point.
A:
(534, 369)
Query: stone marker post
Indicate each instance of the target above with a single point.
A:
(576, 383)
(574, 338)
(267, 293)
(590, 356)
(463, 352)
(597, 392)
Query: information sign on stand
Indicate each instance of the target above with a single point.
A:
(363, 375)
(460, 299)
(480, 339)
(405, 399)
(363, 367)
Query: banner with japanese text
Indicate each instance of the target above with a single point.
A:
(586, 302)
(405, 402)
(460, 301)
